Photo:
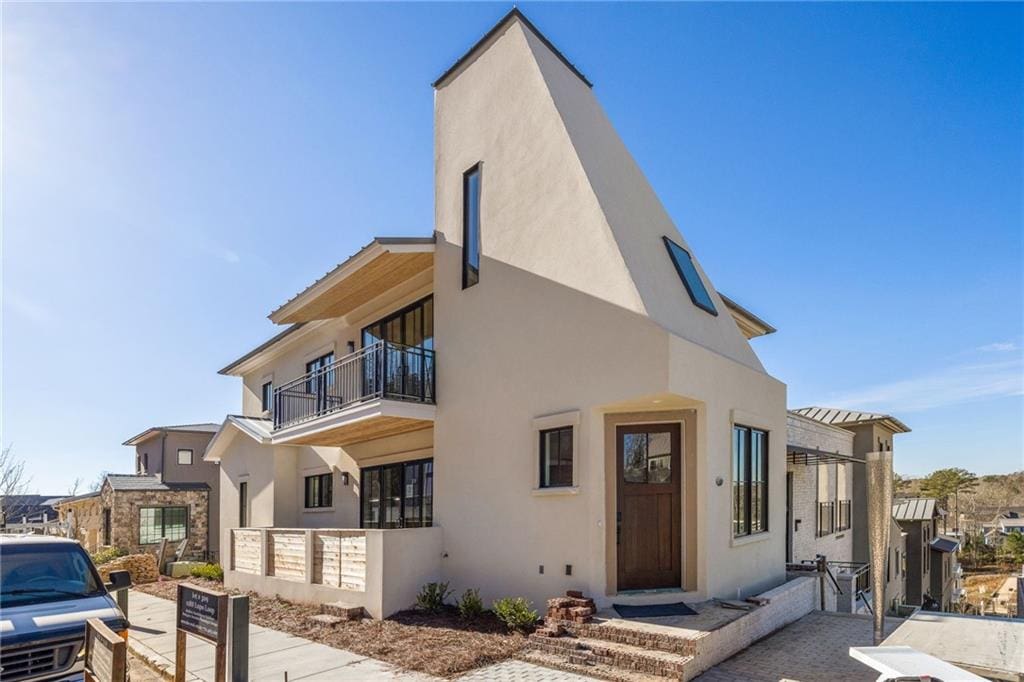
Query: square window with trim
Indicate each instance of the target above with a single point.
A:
(687, 272)
(158, 523)
(749, 481)
(471, 227)
(184, 456)
(267, 396)
(556, 457)
(319, 491)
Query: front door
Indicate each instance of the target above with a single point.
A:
(649, 523)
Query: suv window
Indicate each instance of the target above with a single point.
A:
(33, 573)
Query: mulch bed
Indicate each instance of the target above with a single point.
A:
(441, 644)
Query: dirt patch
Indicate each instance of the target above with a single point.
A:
(441, 644)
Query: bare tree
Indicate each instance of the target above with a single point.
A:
(73, 488)
(98, 481)
(13, 482)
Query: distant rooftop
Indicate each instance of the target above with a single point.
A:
(206, 427)
(914, 509)
(839, 417)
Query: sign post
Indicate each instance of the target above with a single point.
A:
(203, 614)
(106, 654)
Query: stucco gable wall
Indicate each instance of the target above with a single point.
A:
(539, 213)
(634, 214)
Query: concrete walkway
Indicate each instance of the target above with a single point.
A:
(271, 653)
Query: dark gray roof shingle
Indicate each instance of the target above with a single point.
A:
(131, 482)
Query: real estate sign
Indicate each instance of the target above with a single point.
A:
(204, 614)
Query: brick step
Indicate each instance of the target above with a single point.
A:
(592, 669)
(613, 655)
(681, 646)
(343, 611)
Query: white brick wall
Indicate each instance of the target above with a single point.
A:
(806, 480)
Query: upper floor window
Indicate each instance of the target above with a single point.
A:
(749, 480)
(319, 491)
(556, 457)
(267, 396)
(184, 456)
(471, 227)
(691, 278)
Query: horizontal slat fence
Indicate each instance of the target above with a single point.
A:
(287, 551)
(340, 559)
(247, 551)
(339, 555)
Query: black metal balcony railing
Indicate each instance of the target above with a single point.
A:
(383, 370)
(826, 518)
(844, 515)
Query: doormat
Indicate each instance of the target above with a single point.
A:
(653, 610)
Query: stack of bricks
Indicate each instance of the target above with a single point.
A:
(142, 568)
(573, 607)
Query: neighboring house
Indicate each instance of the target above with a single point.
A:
(945, 584)
(28, 508)
(896, 569)
(547, 394)
(174, 454)
(999, 528)
(136, 511)
(824, 492)
(919, 518)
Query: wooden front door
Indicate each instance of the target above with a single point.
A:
(649, 506)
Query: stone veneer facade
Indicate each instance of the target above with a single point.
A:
(124, 508)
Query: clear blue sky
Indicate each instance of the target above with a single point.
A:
(850, 172)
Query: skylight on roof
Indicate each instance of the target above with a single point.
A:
(691, 278)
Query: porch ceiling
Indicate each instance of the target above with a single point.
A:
(379, 267)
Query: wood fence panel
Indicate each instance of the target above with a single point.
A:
(246, 551)
(287, 550)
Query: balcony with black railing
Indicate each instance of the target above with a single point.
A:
(382, 371)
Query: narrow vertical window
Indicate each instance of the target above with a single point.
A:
(749, 481)
(267, 396)
(471, 227)
(243, 504)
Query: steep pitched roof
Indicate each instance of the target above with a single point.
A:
(840, 417)
(914, 509)
(478, 46)
(206, 427)
(257, 428)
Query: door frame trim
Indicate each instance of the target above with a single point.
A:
(687, 418)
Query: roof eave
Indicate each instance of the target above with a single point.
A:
(377, 247)
(745, 318)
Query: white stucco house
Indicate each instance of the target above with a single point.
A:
(544, 392)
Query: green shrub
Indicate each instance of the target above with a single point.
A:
(107, 555)
(515, 612)
(208, 571)
(471, 605)
(432, 596)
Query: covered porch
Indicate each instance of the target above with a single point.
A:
(380, 571)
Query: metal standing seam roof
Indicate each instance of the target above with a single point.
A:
(914, 509)
(228, 369)
(944, 544)
(839, 417)
(144, 482)
(205, 427)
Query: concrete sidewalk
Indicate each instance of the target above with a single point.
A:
(271, 653)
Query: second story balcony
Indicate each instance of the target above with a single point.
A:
(381, 390)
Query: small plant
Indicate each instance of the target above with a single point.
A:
(208, 571)
(105, 556)
(515, 612)
(432, 596)
(471, 605)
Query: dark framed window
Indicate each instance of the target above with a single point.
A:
(184, 456)
(405, 371)
(687, 272)
(556, 457)
(158, 523)
(319, 491)
(749, 481)
(106, 526)
(397, 495)
(471, 227)
(826, 518)
(267, 396)
(844, 515)
(243, 504)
